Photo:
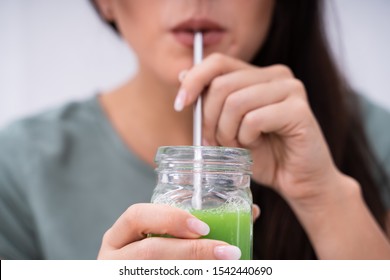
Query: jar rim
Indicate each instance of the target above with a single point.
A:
(209, 153)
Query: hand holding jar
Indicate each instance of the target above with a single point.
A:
(127, 238)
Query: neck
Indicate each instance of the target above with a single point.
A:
(142, 113)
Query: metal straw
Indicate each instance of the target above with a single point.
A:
(197, 133)
(198, 56)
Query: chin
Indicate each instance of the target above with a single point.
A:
(171, 81)
(172, 76)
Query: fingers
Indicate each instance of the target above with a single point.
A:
(142, 219)
(178, 249)
(127, 237)
(223, 129)
(229, 89)
(255, 212)
(204, 75)
(225, 126)
(285, 118)
(200, 76)
(232, 89)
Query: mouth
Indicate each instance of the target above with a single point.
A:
(212, 32)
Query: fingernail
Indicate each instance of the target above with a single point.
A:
(179, 101)
(205, 142)
(256, 211)
(227, 252)
(182, 75)
(197, 226)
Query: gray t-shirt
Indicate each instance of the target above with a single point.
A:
(66, 176)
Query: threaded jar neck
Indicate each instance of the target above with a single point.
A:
(213, 159)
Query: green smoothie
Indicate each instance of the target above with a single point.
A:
(233, 227)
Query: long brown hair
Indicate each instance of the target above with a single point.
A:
(297, 39)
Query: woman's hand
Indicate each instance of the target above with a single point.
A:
(127, 238)
(264, 110)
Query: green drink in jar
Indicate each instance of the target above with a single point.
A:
(223, 198)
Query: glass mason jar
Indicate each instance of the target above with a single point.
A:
(212, 183)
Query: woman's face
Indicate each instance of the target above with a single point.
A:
(161, 31)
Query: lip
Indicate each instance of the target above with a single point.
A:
(184, 32)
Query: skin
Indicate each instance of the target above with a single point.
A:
(261, 109)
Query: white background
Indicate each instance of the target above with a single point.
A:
(52, 51)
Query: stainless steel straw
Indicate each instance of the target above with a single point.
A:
(197, 129)
(198, 56)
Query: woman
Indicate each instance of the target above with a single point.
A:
(269, 85)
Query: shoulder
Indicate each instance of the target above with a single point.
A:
(373, 112)
(53, 119)
(47, 135)
(376, 121)
(49, 127)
